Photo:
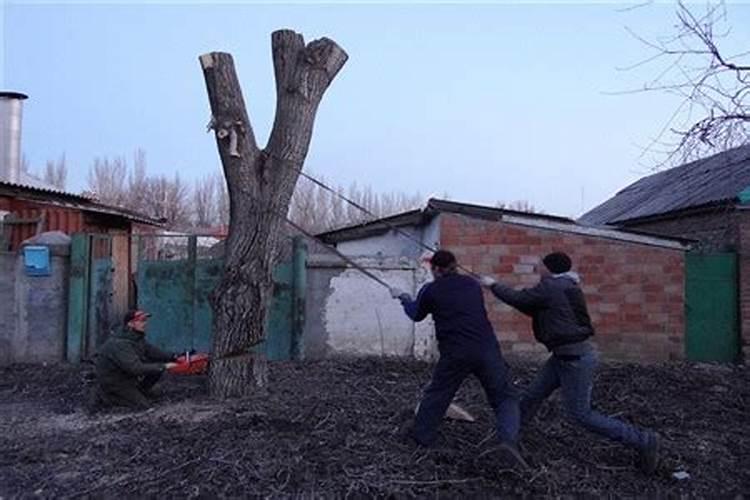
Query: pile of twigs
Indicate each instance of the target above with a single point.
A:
(331, 428)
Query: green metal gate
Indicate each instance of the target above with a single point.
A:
(173, 282)
(711, 307)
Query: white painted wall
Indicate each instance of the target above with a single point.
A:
(361, 318)
(358, 316)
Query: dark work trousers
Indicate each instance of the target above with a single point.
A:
(129, 395)
(452, 368)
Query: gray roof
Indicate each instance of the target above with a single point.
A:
(435, 207)
(423, 215)
(710, 181)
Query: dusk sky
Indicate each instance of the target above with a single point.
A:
(484, 102)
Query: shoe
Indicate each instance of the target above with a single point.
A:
(649, 454)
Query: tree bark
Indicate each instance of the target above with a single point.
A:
(260, 185)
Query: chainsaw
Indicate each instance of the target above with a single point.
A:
(190, 364)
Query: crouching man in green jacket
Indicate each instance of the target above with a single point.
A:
(127, 366)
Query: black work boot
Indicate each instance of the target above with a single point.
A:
(649, 454)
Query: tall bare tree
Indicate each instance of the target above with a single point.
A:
(138, 184)
(204, 202)
(56, 172)
(260, 184)
(222, 199)
(105, 180)
(317, 209)
(168, 198)
(712, 83)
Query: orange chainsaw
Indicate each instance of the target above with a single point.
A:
(190, 364)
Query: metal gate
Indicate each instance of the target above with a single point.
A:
(711, 304)
(172, 277)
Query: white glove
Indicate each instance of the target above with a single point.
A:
(397, 292)
(487, 281)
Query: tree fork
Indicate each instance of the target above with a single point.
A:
(260, 185)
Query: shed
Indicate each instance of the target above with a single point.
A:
(634, 283)
(708, 201)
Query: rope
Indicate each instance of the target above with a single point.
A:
(371, 214)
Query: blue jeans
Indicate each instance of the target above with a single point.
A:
(575, 378)
(451, 369)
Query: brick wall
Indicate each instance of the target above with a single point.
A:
(723, 229)
(635, 292)
(715, 229)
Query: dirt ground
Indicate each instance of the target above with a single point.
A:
(330, 428)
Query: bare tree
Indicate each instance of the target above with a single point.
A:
(222, 199)
(56, 172)
(105, 180)
(138, 184)
(519, 206)
(260, 184)
(168, 199)
(713, 85)
(204, 202)
(318, 209)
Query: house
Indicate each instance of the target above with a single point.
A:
(34, 310)
(27, 209)
(707, 201)
(634, 283)
(29, 206)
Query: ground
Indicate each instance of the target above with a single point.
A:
(330, 428)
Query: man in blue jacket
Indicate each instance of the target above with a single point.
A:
(560, 321)
(467, 345)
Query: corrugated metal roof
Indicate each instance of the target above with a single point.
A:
(70, 200)
(713, 180)
(28, 181)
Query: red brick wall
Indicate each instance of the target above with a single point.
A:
(635, 292)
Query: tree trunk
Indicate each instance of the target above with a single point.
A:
(260, 185)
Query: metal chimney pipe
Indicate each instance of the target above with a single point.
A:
(11, 112)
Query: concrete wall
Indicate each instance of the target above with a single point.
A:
(8, 312)
(348, 313)
(635, 291)
(33, 311)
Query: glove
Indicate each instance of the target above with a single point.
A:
(487, 281)
(397, 293)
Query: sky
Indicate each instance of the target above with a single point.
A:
(483, 102)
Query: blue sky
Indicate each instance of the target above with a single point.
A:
(484, 102)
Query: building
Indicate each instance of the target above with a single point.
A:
(707, 201)
(635, 284)
(34, 310)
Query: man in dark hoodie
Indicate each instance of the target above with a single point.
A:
(560, 321)
(467, 345)
(127, 366)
